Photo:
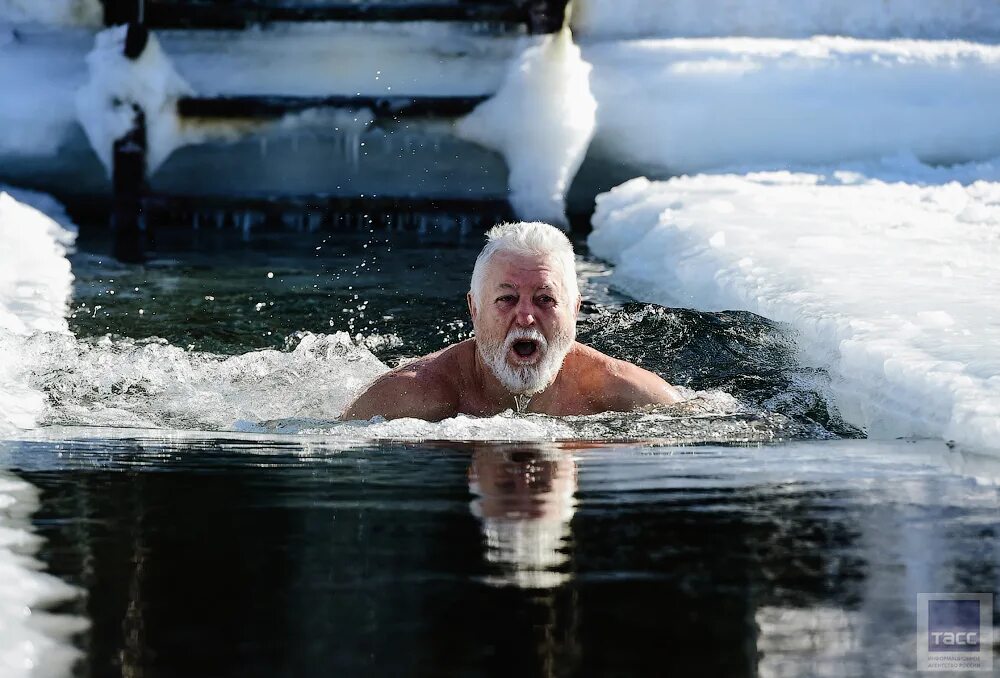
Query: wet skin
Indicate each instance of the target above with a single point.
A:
(520, 292)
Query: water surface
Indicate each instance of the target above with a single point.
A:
(236, 555)
(197, 490)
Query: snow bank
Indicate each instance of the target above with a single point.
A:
(35, 276)
(35, 285)
(52, 12)
(39, 72)
(686, 105)
(317, 59)
(668, 106)
(972, 19)
(892, 286)
(105, 104)
(541, 119)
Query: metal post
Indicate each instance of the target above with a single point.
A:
(128, 175)
(546, 16)
(129, 182)
(117, 12)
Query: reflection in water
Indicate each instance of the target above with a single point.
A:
(525, 503)
(819, 641)
(257, 556)
(32, 642)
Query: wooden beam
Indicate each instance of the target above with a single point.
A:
(539, 16)
(395, 108)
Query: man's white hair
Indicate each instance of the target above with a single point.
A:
(530, 238)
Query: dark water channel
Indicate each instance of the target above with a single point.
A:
(237, 554)
(243, 556)
(401, 296)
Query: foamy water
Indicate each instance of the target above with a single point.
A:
(126, 383)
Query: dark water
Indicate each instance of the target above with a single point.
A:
(242, 556)
(411, 297)
(227, 554)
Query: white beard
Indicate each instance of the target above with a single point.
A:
(526, 379)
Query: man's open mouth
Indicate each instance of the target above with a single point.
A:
(525, 348)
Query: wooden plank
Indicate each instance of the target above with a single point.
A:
(264, 214)
(246, 14)
(540, 16)
(395, 108)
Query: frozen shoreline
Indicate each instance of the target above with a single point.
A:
(692, 105)
(926, 19)
(887, 271)
(35, 286)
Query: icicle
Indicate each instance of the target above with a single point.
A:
(245, 223)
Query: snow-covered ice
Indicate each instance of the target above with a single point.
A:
(888, 272)
(937, 19)
(316, 59)
(35, 276)
(44, 67)
(106, 104)
(35, 284)
(52, 12)
(687, 105)
(541, 119)
(665, 105)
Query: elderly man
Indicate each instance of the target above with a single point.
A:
(524, 303)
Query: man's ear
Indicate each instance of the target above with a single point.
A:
(579, 299)
(472, 305)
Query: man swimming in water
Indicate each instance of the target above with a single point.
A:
(524, 302)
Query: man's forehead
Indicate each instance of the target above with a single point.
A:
(514, 286)
(513, 270)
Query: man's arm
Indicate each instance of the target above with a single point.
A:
(405, 392)
(632, 388)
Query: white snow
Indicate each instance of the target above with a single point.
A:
(542, 120)
(972, 19)
(687, 105)
(666, 105)
(888, 272)
(105, 103)
(317, 59)
(35, 277)
(35, 285)
(52, 12)
(44, 68)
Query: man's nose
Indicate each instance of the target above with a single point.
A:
(524, 316)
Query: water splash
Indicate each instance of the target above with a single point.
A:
(149, 383)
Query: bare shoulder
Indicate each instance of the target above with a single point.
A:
(626, 386)
(424, 389)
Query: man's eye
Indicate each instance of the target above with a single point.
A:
(546, 300)
(506, 299)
